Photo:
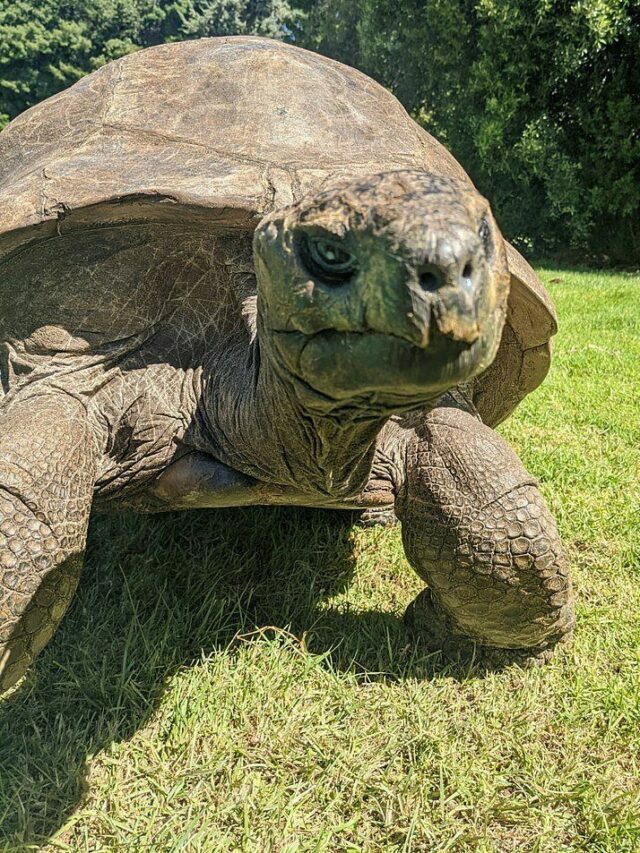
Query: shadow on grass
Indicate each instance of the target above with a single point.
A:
(157, 593)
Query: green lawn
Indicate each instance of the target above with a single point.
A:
(240, 680)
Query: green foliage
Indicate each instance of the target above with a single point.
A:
(46, 45)
(537, 99)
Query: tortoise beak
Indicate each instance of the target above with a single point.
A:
(455, 291)
(446, 293)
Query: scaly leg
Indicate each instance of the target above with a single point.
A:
(47, 471)
(477, 530)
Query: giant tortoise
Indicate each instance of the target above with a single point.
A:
(234, 272)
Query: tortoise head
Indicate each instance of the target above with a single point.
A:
(387, 290)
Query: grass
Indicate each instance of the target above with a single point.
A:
(240, 680)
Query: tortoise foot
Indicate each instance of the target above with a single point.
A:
(431, 627)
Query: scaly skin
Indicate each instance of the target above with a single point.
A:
(476, 528)
(46, 482)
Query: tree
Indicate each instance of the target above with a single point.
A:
(538, 99)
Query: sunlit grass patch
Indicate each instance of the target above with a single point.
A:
(240, 680)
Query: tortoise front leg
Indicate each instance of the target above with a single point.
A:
(47, 470)
(476, 528)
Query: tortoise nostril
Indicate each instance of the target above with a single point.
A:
(431, 278)
(468, 270)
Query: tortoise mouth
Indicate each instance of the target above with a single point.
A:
(350, 364)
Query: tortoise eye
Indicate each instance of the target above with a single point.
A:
(328, 259)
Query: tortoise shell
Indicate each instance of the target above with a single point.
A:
(217, 133)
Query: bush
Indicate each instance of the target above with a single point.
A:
(538, 99)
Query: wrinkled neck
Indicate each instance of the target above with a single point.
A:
(267, 424)
(329, 443)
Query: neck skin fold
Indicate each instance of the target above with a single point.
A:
(259, 420)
